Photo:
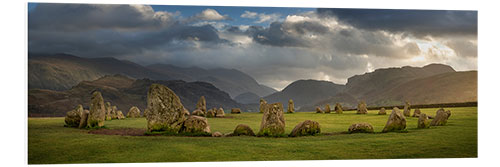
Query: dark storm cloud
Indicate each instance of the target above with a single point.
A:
(285, 34)
(417, 22)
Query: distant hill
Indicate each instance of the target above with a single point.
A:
(435, 83)
(231, 81)
(305, 92)
(248, 98)
(63, 71)
(123, 92)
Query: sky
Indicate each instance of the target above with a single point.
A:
(276, 46)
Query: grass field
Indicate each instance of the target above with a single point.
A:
(51, 143)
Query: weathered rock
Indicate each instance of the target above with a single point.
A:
(338, 108)
(306, 128)
(198, 112)
(186, 112)
(216, 134)
(120, 115)
(73, 117)
(244, 130)
(291, 107)
(262, 105)
(220, 113)
(134, 112)
(362, 108)
(195, 124)
(273, 121)
(97, 112)
(361, 128)
(416, 113)
(211, 113)
(108, 111)
(235, 111)
(441, 117)
(396, 122)
(202, 104)
(407, 110)
(382, 111)
(318, 110)
(83, 119)
(327, 108)
(166, 112)
(423, 121)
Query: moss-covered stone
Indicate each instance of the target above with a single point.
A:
(108, 109)
(211, 113)
(423, 121)
(73, 117)
(120, 115)
(416, 112)
(318, 110)
(165, 110)
(327, 108)
(84, 119)
(262, 105)
(202, 104)
(338, 108)
(273, 121)
(97, 112)
(220, 113)
(198, 112)
(291, 106)
(362, 108)
(134, 112)
(235, 111)
(382, 111)
(195, 124)
(441, 117)
(396, 122)
(306, 128)
(407, 109)
(361, 128)
(243, 130)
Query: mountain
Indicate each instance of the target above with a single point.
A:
(232, 81)
(124, 92)
(434, 83)
(247, 98)
(305, 92)
(62, 71)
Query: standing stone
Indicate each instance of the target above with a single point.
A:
(338, 108)
(198, 112)
(220, 113)
(306, 128)
(291, 108)
(362, 108)
(120, 114)
(382, 111)
(327, 108)
(235, 111)
(396, 122)
(166, 112)
(318, 110)
(195, 124)
(407, 110)
(202, 104)
(361, 128)
(134, 112)
(108, 111)
(97, 112)
(273, 121)
(262, 105)
(84, 118)
(423, 121)
(416, 113)
(441, 117)
(244, 130)
(114, 112)
(73, 117)
(211, 113)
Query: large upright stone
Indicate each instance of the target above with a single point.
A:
(195, 124)
(202, 104)
(338, 108)
(396, 122)
(220, 113)
(416, 112)
(362, 108)
(97, 112)
(262, 106)
(291, 107)
(108, 111)
(83, 119)
(407, 110)
(273, 121)
(327, 108)
(165, 110)
(423, 121)
(441, 117)
(134, 112)
(114, 112)
(382, 111)
(306, 128)
(73, 117)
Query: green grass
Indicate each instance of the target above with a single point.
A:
(49, 142)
